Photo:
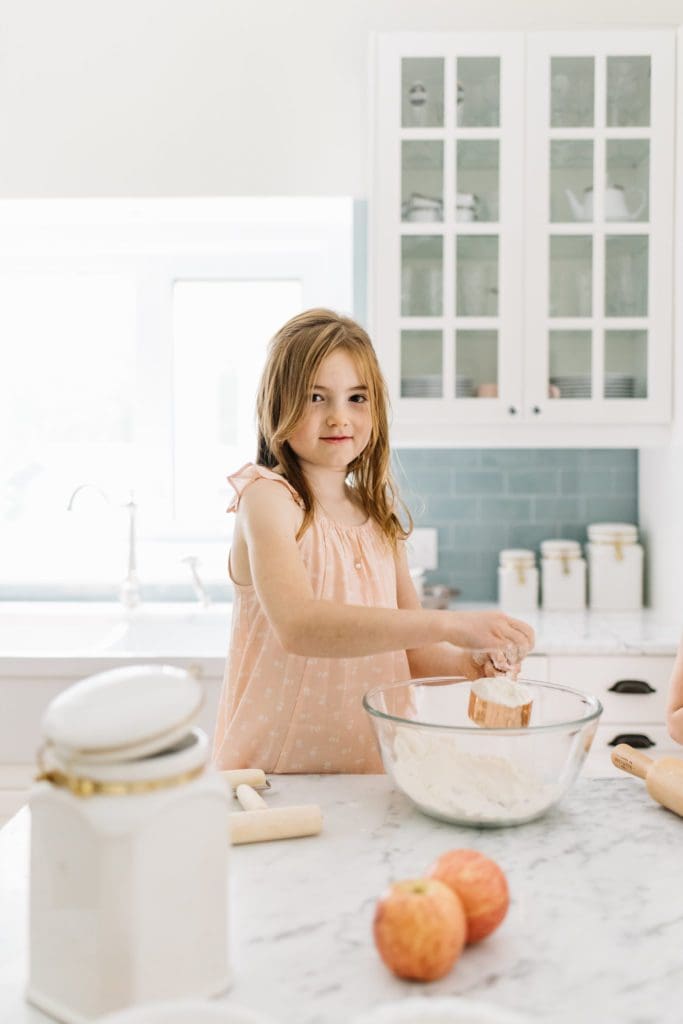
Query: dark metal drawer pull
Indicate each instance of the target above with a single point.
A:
(632, 686)
(634, 739)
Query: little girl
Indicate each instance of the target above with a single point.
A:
(324, 606)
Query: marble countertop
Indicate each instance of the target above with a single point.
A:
(58, 638)
(594, 933)
(590, 632)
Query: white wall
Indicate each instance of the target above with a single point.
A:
(220, 97)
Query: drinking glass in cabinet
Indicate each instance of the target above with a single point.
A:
(628, 92)
(625, 364)
(476, 364)
(569, 364)
(422, 92)
(477, 182)
(627, 179)
(572, 92)
(476, 275)
(478, 92)
(421, 275)
(571, 179)
(421, 364)
(571, 275)
(421, 181)
(626, 266)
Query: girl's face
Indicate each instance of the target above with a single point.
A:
(338, 423)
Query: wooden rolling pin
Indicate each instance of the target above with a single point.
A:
(499, 703)
(663, 778)
(275, 823)
(253, 777)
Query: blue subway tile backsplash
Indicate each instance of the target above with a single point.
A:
(482, 500)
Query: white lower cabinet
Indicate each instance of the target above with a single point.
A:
(633, 692)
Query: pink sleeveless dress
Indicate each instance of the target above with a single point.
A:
(287, 713)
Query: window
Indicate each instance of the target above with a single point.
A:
(133, 334)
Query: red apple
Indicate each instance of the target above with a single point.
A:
(419, 928)
(481, 886)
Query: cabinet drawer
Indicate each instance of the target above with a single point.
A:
(599, 760)
(630, 688)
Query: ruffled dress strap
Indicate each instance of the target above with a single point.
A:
(250, 472)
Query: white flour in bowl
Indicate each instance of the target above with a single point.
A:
(476, 788)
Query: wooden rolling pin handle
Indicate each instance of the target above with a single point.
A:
(253, 777)
(630, 760)
(249, 798)
(275, 823)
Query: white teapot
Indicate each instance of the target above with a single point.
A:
(615, 203)
(467, 206)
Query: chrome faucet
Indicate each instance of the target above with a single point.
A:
(129, 590)
(200, 590)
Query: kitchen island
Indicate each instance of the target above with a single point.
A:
(594, 934)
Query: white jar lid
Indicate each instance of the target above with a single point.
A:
(624, 533)
(517, 557)
(560, 549)
(123, 713)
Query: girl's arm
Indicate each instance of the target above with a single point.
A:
(437, 659)
(674, 715)
(310, 627)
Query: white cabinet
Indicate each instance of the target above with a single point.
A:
(633, 691)
(522, 233)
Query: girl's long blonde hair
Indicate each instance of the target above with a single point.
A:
(294, 358)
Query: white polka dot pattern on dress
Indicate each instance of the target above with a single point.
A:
(285, 713)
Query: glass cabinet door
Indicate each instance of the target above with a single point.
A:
(598, 274)
(447, 224)
(522, 229)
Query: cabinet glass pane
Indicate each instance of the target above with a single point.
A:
(422, 181)
(572, 92)
(627, 182)
(628, 92)
(476, 275)
(421, 275)
(569, 364)
(476, 364)
(571, 275)
(421, 364)
(422, 92)
(625, 364)
(626, 259)
(478, 95)
(571, 180)
(477, 186)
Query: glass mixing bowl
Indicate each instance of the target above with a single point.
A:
(457, 771)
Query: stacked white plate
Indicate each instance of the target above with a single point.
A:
(426, 385)
(464, 386)
(574, 385)
(619, 385)
(578, 385)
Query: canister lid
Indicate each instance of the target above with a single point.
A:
(123, 713)
(624, 533)
(517, 557)
(560, 548)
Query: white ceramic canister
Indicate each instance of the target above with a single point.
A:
(563, 576)
(615, 567)
(517, 580)
(129, 848)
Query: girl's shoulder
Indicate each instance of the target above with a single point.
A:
(249, 474)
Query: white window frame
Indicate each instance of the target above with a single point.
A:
(159, 241)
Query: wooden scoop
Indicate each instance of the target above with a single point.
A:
(499, 703)
(663, 778)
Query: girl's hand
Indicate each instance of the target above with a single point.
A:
(494, 639)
